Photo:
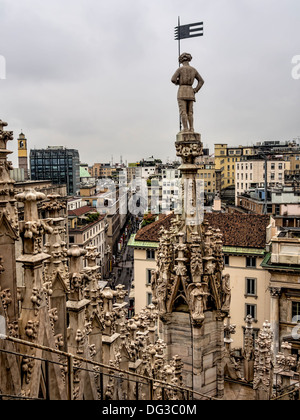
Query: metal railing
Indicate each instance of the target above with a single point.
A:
(151, 384)
(290, 392)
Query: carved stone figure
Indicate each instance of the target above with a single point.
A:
(161, 296)
(197, 297)
(185, 77)
(226, 291)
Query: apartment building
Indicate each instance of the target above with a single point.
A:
(283, 265)
(226, 159)
(282, 202)
(251, 174)
(207, 173)
(295, 162)
(88, 228)
(102, 170)
(144, 172)
(245, 239)
(75, 203)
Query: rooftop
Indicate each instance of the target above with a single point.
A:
(150, 233)
(82, 210)
(239, 230)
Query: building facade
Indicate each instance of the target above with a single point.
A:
(226, 159)
(58, 164)
(251, 174)
(283, 264)
(87, 228)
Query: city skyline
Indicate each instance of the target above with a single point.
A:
(97, 77)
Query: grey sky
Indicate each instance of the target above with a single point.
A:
(95, 75)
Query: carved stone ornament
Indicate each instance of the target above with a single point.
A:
(275, 292)
(263, 360)
(248, 340)
(187, 269)
(285, 361)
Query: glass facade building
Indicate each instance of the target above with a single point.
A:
(58, 164)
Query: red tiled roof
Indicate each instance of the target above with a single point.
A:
(151, 232)
(81, 210)
(239, 230)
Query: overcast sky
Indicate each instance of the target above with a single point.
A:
(95, 75)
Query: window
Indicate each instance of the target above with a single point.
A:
(250, 310)
(150, 254)
(250, 287)
(149, 275)
(149, 298)
(296, 311)
(226, 260)
(251, 262)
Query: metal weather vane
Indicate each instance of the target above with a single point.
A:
(187, 31)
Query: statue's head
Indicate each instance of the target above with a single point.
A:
(184, 57)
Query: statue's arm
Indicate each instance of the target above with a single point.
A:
(200, 82)
(175, 78)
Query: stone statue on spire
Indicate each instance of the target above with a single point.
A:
(185, 77)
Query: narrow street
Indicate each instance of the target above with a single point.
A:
(123, 270)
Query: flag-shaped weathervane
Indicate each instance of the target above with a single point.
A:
(188, 31)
